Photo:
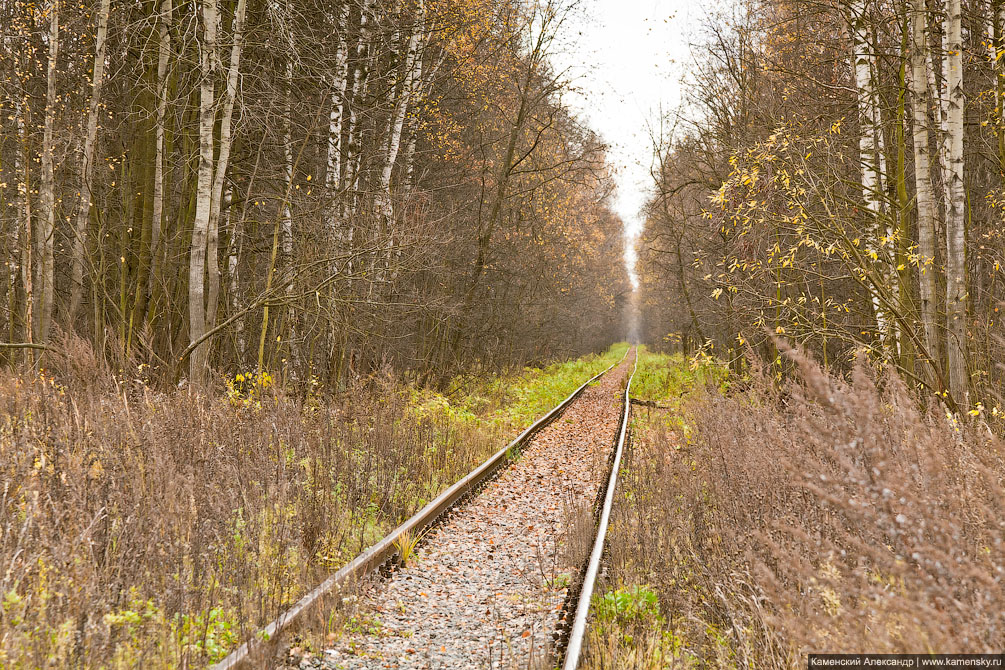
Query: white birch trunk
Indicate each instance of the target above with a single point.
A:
(157, 214)
(923, 187)
(398, 120)
(222, 163)
(936, 91)
(351, 175)
(862, 64)
(204, 270)
(234, 275)
(26, 268)
(997, 40)
(336, 115)
(47, 190)
(287, 218)
(286, 236)
(956, 281)
(22, 220)
(199, 358)
(87, 164)
(871, 154)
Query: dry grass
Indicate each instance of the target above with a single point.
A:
(834, 516)
(150, 529)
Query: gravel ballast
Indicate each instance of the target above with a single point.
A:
(486, 587)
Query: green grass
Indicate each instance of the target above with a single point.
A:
(512, 402)
(666, 378)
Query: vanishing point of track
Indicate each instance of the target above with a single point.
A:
(497, 583)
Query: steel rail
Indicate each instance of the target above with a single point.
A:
(375, 556)
(577, 633)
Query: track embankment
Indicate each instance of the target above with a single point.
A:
(486, 587)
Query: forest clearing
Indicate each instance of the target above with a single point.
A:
(502, 334)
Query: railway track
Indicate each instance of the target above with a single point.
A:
(493, 587)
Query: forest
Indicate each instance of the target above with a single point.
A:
(317, 189)
(835, 177)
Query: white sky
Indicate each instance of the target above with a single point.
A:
(627, 57)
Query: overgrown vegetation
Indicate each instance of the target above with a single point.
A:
(513, 401)
(150, 529)
(834, 175)
(321, 188)
(830, 515)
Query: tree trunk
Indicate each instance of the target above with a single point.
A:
(905, 283)
(925, 197)
(997, 53)
(287, 216)
(87, 165)
(222, 164)
(359, 75)
(157, 216)
(24, 225)
(199, 358)
(956, 260)
(204, 270)
(335, 119)
(47, 191)
(871, 151)
(398, 115)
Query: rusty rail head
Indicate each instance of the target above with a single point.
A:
(577, 633)
(376, 555)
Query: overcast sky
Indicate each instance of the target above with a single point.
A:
(627, 57)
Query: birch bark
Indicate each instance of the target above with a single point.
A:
(163, 57)
(956, 260)
(47, 193)
(923, 188)
(199, 358)
(87, 164)
(222, 163)
(359, 76)
(398, 116)
(997, 54)
(204, 270)
(336, 115)
(871, 151)
(23, 207)
(867, 146)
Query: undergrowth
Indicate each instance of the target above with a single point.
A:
(141, 528)
(832, 515)
(511, 402)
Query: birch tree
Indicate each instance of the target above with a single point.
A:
(350, 177)
(336, 115)
(997, 52)
(924, 192)
(872, 154)
(163, 61)
(956, 259)
(204, 274)
(87, 162)
(199, 358)
(46, 229)
(397, 121)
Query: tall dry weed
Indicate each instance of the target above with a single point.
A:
(141, 528)
(835, 516)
